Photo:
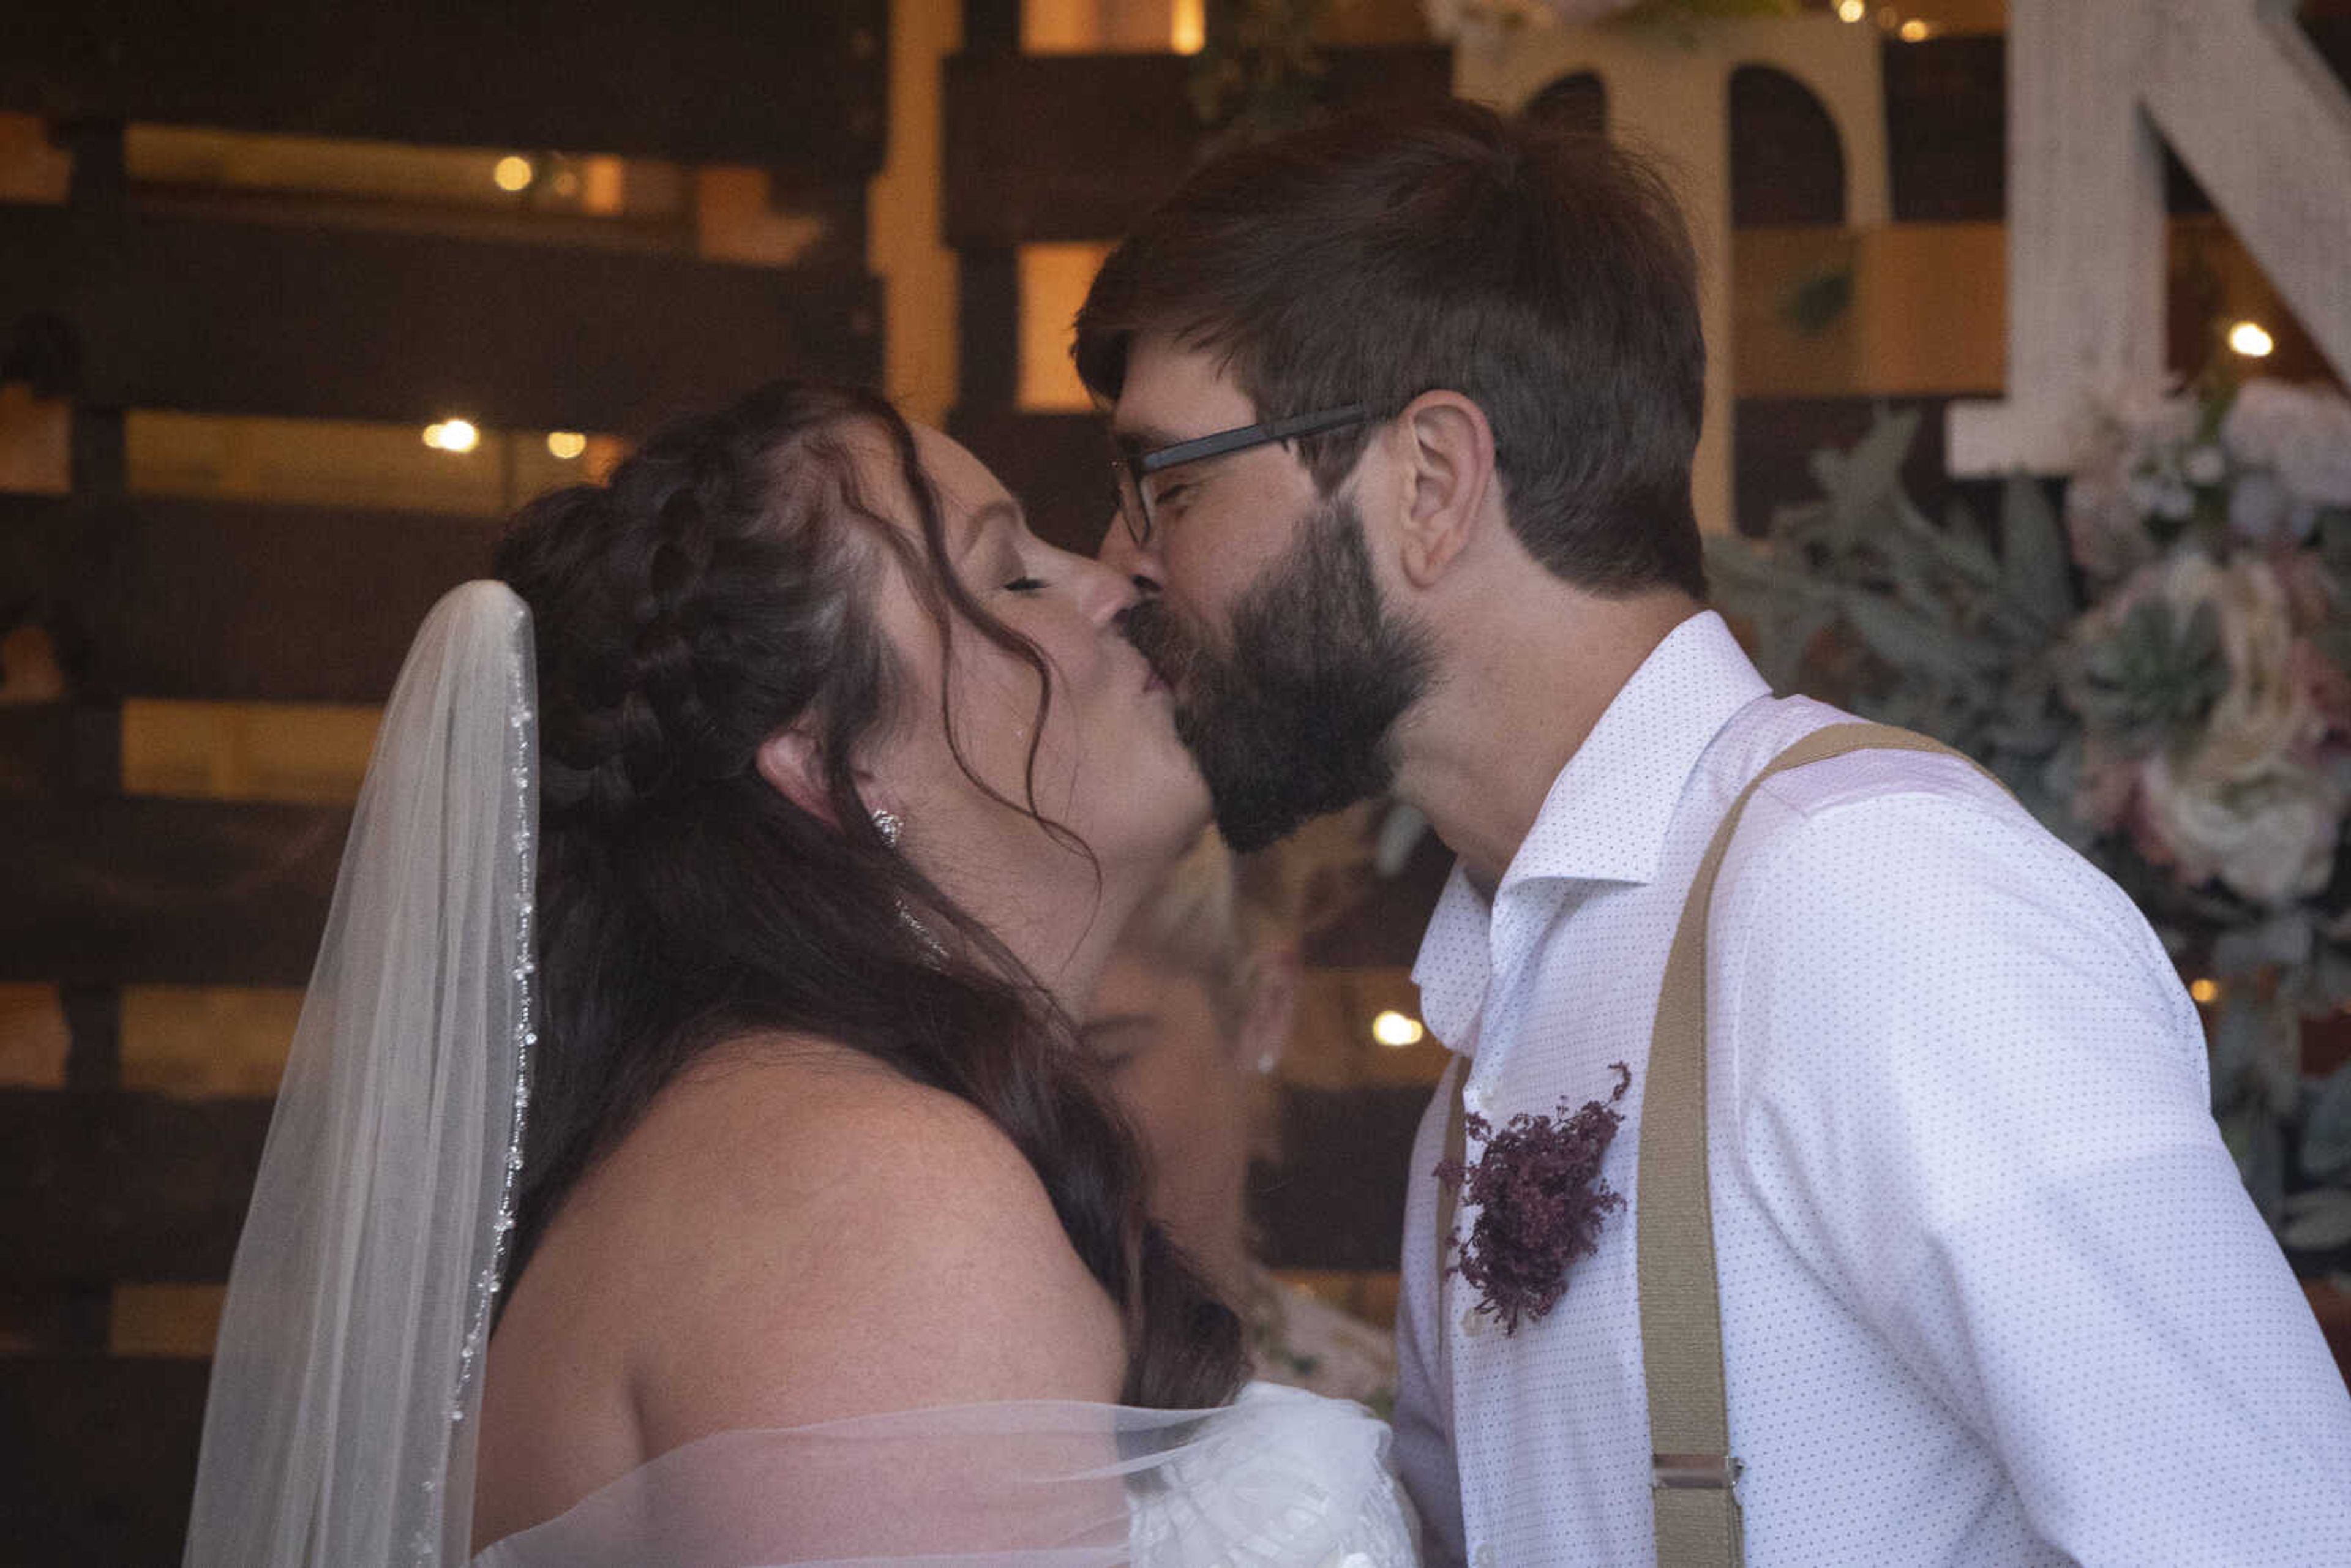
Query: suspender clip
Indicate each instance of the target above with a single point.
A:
(1694, 1472)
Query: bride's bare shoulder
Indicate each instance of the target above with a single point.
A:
(838, 1239)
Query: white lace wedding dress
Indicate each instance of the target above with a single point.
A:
(1279, 1478)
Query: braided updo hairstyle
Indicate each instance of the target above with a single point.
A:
(721, 588)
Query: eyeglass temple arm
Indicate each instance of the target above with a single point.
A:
(1249, 435)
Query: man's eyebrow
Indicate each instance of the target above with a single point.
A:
(1147, 435)
(1115, 1023)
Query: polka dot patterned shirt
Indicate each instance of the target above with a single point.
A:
(1993, 1292)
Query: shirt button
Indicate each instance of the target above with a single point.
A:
(1473, 1324)
(1485, 1558)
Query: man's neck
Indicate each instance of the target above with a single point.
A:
(1523, 676)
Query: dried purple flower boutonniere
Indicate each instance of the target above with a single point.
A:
(1540, 1201)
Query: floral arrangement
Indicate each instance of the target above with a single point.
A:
(2160, 676)
(1541, 1203)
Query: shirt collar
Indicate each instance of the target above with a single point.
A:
(1609, 812)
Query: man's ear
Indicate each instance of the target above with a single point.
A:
(1448, 471)
(788, 761)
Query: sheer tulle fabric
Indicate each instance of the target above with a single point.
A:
(1279, 1478)
(338, 1429)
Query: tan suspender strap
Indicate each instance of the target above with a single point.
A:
(1681, 1314)
(1457, 1149)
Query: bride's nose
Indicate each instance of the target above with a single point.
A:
(1102, 592)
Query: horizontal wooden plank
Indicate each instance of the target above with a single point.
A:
(1336, 1199)
(133, 1187)
(112, 1186)
(1075, 147)
(160, 311)
(169, 892)
(232, 599)
(50, 748)
(1011, 178)
(796, 86)
(101, 1459)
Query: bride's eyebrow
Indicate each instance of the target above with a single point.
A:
(989, 516)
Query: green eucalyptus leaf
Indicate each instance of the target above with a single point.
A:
(2258, 1144)
(2282, 942)
(2326, 1129)
(2236, 1047)
(2033, 556)
(2316, 1221)
(1860, 483)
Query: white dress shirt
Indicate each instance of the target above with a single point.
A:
(1993, 1292)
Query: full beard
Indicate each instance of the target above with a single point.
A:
(1297, 717)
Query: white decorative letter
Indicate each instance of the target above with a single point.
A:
(2249, 107)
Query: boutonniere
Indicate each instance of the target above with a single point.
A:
(1540, 1201)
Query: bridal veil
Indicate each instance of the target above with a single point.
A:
(339, 1426)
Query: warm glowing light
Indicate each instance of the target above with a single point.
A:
(2249, 339)
(1852, 10)
(1397, 1028)
(1914, 31)
(566, 444)
(2206, 992)
(514, 174)
(1189, 32)
(453, 435)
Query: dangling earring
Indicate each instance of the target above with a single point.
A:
(891, 826)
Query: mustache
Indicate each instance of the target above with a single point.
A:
(1163, 641)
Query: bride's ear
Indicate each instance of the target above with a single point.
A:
(791, 765)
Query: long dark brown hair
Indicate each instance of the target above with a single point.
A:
(717, 590)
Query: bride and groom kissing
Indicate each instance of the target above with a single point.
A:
(686, 1155)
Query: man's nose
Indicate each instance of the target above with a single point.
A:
(1122, 554)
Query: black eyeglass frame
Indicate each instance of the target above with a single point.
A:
(1131, 465)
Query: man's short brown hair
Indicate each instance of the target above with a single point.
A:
(1546, 276)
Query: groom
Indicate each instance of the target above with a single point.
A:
(1405, 415)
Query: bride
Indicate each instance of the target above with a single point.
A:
(685, 1156)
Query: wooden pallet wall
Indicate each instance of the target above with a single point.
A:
(124, 300)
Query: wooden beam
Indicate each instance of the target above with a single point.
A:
(165, 892)
(157, 311)
(233, 600)
(1075, 147)
(102, 1458)
(136, 1188)
(801, 86)
(124, 1186)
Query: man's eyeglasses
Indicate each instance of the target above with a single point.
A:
(1133, 465)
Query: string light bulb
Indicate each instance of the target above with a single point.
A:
(1852, 10)
(566, 444)
(460, 435)
(1914, 31)
(1397, 1030)
(2205, 992)
(513, 173)
(2249, 339)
